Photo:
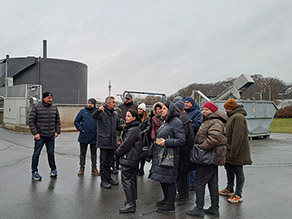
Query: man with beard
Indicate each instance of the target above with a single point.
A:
(128, 104)
(44, 123)
(86, 126)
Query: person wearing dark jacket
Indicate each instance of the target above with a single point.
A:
(129, 152)
(193, 109)
(128, 104)
(108, 123)
(238, 151)
(145, 129)
(210, 136)
(170, 135)
(86, 126)
(184, 165)
(44, 123)
(156, 119)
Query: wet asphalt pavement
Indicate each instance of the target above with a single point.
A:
(267, 191)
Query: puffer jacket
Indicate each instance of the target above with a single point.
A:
(130, 149)
(107, 124)
(211, 135)
(238, 151)
(86, 126)
(44, 119)
(173, 132)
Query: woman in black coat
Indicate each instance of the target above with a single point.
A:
(129, 153)
(171, 135)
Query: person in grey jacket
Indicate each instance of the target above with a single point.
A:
(44, 123)
(129, 153)
(108, 123)
(170, 135)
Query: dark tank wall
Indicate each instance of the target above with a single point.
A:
(67, 80)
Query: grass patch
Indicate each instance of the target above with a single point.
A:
(281, 125)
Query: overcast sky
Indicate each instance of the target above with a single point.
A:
(154, 45)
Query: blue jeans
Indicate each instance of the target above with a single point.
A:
(38, 145)
(191, 178)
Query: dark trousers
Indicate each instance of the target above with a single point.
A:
(232, 171)
(83, 150)
(168, 192)
(142, 163)
(38, 145)
(106, 162)
(206, 175)
(129, 181)
(182, 183)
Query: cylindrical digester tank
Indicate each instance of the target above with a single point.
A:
(66, 79)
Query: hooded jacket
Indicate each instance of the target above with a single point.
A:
(86, 126)
(173, 132)
(195, 115)
(130, 149)
(211, 134)
(238, 151)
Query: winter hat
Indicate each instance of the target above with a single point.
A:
(230, 104)
(177, 98)
(211, 106)
(180, 104)
(92, 100)
(142, 106)
(47, 93)
(190, 99)
(129, 96)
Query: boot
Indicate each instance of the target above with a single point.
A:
(81, 172)
(196, 212)
(168, 208)
(128, 208)
(161, 202)
(95, 172)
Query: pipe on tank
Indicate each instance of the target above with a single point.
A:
(44, 49)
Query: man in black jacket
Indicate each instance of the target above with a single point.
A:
(44, 123)
(108, 123)
(128, 104)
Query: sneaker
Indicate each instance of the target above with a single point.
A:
(95, 172)
(112, 182)
(36, 176)
(54, 173)
(226, 192)
(235, 199)
(105, 184)
(196, 212)
(168, 208)
(81, 172)
(212, 210)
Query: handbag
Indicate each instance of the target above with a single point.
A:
(203, 157)
(166, 157)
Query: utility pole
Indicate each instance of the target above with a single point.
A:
(6, 76)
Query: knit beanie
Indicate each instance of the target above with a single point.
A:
(230, 104)
(211, 106)
(142, 106)
(191, 100)
(180, 104)
(47, 93)
(92, 100)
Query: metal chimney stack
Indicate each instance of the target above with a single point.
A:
(44, 49)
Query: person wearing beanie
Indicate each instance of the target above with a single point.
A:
(210, 136)
(128, 104)
(87, 127)
(238, 151)
(211, 106)
(193, 109)
(184, 165)
(44, 123)
(145, 130)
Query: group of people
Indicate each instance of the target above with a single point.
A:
(128, 137)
